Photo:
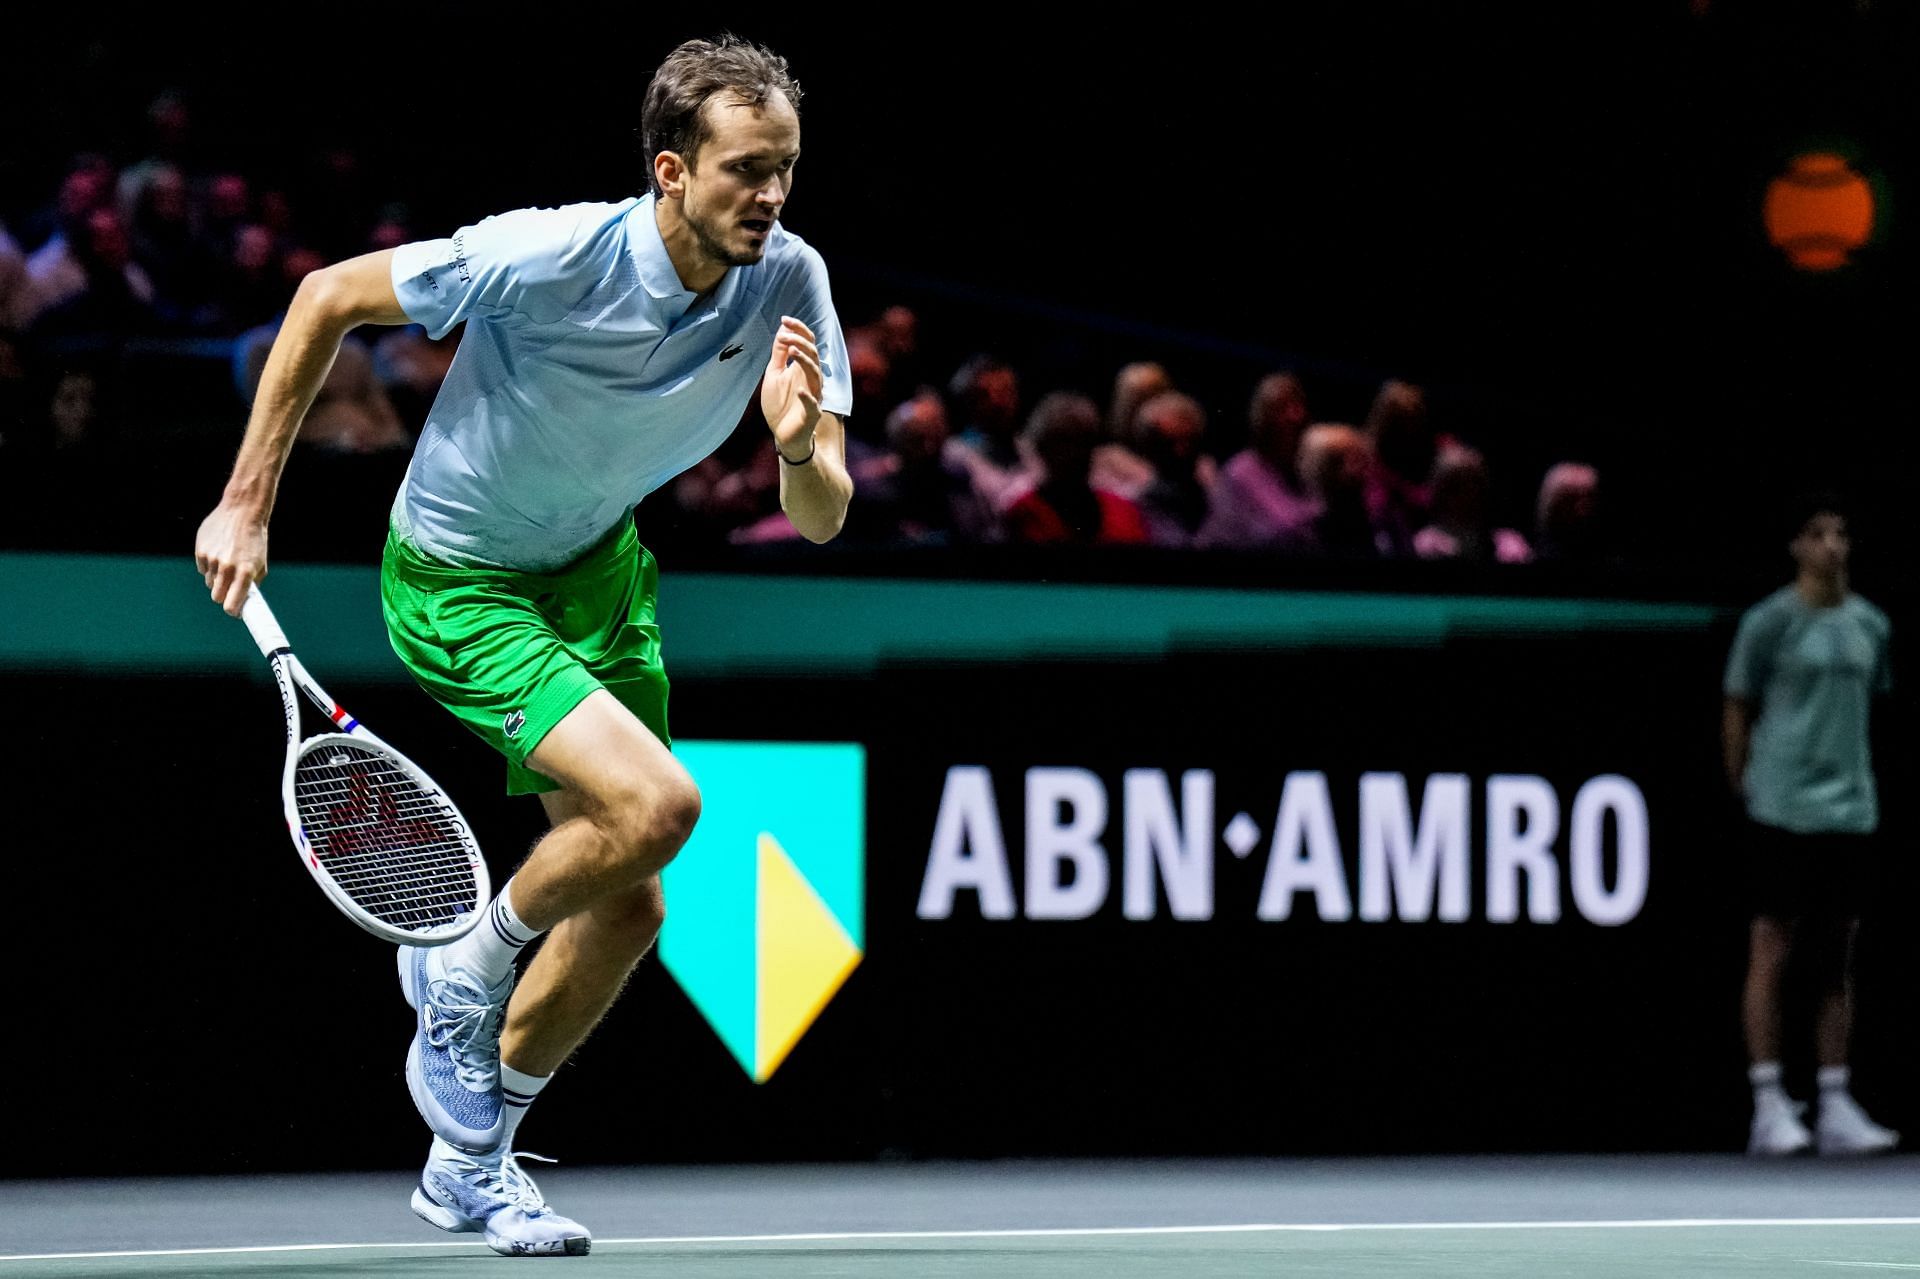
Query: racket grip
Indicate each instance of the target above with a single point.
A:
(260, 621)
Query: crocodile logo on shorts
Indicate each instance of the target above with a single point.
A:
(730, 352)
(513, 723)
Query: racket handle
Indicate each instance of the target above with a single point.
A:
(260, 621)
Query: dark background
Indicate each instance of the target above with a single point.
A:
(1549, 214)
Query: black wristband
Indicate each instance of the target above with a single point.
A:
(812, 444)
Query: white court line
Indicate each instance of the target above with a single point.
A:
(1070, 1232)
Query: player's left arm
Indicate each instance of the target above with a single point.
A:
(814, 484)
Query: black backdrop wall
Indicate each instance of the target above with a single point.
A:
(272, 1036)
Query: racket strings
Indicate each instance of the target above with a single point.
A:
(391, 845)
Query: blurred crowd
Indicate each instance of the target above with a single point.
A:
(945, 448)
(970, 460)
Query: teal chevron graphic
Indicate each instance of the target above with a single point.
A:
(766, 903)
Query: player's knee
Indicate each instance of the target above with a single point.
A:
(675, 815)
(650, 822)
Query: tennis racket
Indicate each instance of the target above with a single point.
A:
(383, 841)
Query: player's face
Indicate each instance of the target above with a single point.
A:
(1823, 545)
(741, 178)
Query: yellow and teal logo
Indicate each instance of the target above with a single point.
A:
(766, 903)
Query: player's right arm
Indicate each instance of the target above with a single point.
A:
(231, 549)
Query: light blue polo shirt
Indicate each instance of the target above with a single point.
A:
(588, 376)
(1813, 673)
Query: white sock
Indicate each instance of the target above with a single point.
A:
(1765, 1078)
(1834, 1079)
(517, 1091)
(487, 953)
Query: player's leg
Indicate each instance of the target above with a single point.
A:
(1843, 1126)
(571, 983)
(625, 808)
(581, 966)
(630, 807)
(1769, 945)
(1777, 900)
(1830, 951)
(1777, 1128)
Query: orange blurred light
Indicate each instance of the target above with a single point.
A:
(1819, 211)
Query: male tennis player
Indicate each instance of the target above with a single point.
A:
(608, 348)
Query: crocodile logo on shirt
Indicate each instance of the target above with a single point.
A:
(514, 722)
(731, 351)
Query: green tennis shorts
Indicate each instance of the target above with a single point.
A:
(511, 653)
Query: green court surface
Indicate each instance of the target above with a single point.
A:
(1434, 1217)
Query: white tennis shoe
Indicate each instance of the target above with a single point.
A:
(1777, 1129)
(453, 1062)
(1844, 1128)
(491, 1194)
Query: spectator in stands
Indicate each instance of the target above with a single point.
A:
(1404, 447)
(1569, 515)
(735, 487)
(153, 200)
(1133, 386)
(898, 329)
(985, 395)
(913, 493)
(1800, 682)
(88, 185)
(868, 366)
(57, 271)
(225, 212)
(1062, 505)
(73, 409)
(1259, 498)
(1170, 432)
(1336, 464)
(1462, 527)
(1118, 464)
(412, 366)
(350, 414)
(254, 291)
(90, 287)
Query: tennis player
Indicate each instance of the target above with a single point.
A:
(608, 348)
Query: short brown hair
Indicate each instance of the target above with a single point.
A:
(674, 116)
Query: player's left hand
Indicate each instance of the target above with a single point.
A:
(790, 393)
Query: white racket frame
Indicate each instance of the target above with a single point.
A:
(289, 672)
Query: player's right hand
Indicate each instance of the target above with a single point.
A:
(231, 553)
